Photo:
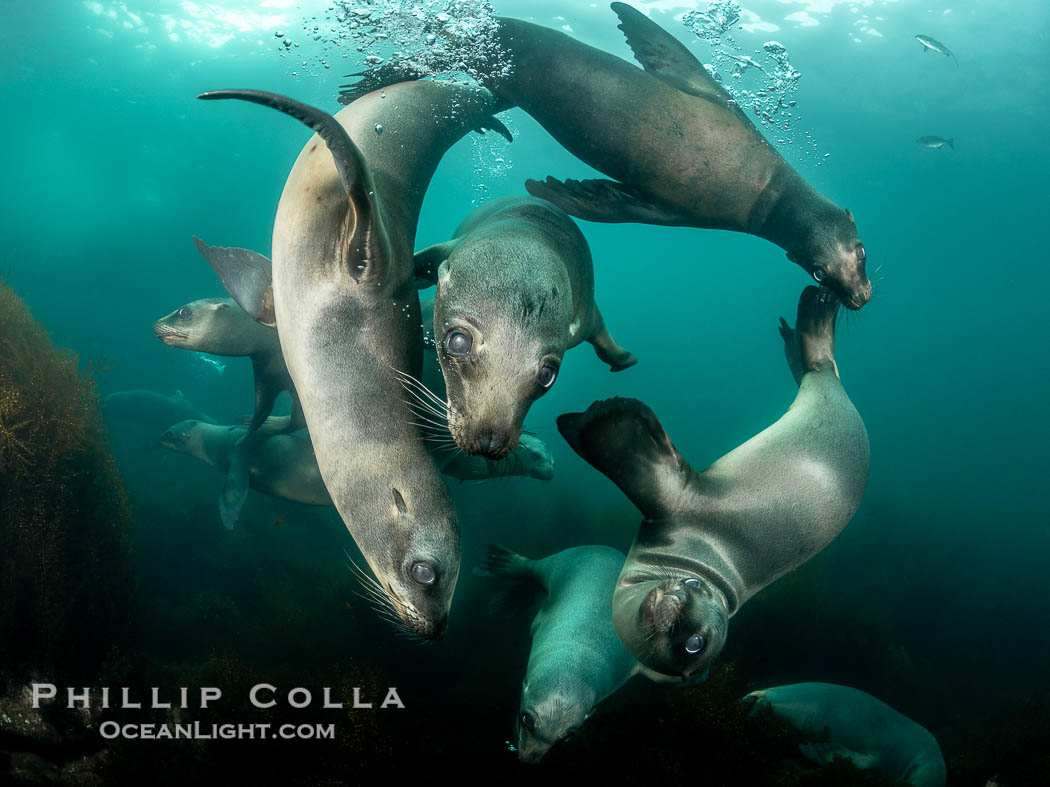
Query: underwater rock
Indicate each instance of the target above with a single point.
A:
(63, 512)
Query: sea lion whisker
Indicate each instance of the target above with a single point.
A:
(427, 408)
(417, 386)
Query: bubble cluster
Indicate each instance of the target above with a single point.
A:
(763, 83)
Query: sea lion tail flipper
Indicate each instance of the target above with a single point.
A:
(666, 58)
(607, 349)
(825, 753)
(623, 439)
(604, 201)
(390, 73)
(246, 275)
(235, 490)
(522, 588)
(373, 256)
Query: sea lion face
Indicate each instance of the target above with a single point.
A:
(675, 626)
(499, 352)
(546, 721)
(199, 325)
(415, 558)
(185, 437)
(836, 259)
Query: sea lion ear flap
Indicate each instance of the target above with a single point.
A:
(364, 237)
(623, 439)
(849, 215)
(428, 260)
(246, 275)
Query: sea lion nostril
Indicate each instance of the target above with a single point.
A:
(490, 444)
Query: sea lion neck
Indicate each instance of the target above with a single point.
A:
(787, 211)
(657, 552)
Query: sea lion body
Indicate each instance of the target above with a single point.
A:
(712, 539)
(576, 659)
(680, 149)
(282, 466)
(847, 722)
(219, 326)
(343, 294)
(153, 411)
(515, 288)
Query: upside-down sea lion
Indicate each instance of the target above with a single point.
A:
(343, 292)
(576, 659)
(844, 722)
(711, 540)
(680, 150)
(219, 326)
(515, 290)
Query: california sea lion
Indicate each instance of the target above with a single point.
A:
(846, 722)
(680, 149)
(284, 465)
(153, 411)
(515, 290)
(576, 659)
(219, 326)
(344, 295)
(711, 540)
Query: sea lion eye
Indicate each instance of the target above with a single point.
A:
(820, 274)
(694, 644)
(547, 375)
(693, 582)
(861, 254)
(458, 343)
(185, 313)
(423, 573)
(527, 721)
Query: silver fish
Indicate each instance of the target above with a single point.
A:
(932, 43)
(936, 143)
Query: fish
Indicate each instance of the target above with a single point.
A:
(932, 43)
(936, 143)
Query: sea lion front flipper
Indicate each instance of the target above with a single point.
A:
(246, 275)
(607, 349)
(235, 490)
(623, 439)
(522, 587)
(365, 244)
(666, 58)
(605, 201)
(265, 396)
(492, 123)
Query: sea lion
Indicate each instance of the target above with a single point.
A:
(284, 465)
(281, 466)
(576, 659)
(515, 290)
(344, 295)
(681, 151)
(846, 722)
(152, 411)
(711, 540)
(219, 326)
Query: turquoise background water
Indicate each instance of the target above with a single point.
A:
(111, 166)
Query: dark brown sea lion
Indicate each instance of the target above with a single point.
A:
(680, 149)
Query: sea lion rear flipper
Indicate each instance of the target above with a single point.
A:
(363, 231)
(825, 753)
(623, 439)
(605, 201)
(667, 59)
(246, 275)
(390, 73)
(235, 490)
(522, 588)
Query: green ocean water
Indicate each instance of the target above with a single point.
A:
(934, 596)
